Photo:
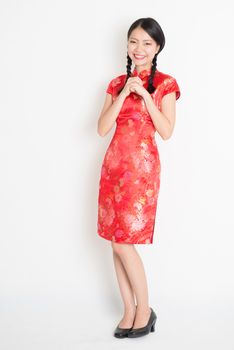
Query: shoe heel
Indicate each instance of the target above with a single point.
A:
(153, 327)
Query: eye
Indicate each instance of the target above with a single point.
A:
(133, 42)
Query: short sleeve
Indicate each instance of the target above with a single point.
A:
(171, 85)
(109, 89)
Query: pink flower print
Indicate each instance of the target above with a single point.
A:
(110, 217)
(108, 201)
(121, 182)
(149, 192)
(127, 175)
(129, 218)
(116, 188)
(136, 116)
(142, 200)
(151, 157)
(147, 166)
(137, 205)
(136, 160)
(119, 233)
(138, 222)
(109, 154)
(151, 200)
(102, 211)
(113, 162)
(118, 197)
(158, 169)
(144, 145)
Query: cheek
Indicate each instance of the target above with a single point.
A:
(131, 47)
(150, 51)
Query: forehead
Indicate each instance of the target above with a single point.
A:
(140, 34)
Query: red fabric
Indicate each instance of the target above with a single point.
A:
(130, 173)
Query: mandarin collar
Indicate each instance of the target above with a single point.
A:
(144, 73)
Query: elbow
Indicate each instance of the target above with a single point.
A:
(100, 132)
(166, 136)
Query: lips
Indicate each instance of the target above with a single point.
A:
(139, 57)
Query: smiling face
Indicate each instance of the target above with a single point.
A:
(142, 48)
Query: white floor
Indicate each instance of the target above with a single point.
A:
(52, 323)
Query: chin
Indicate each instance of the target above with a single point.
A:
(139, 63)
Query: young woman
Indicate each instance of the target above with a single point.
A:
(140, 102)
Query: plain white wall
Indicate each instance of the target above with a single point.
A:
(58, 288)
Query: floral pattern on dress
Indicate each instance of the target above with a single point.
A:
(130, 174)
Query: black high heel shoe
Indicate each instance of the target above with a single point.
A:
(121, 332)
(150, 327)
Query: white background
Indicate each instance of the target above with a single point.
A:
(58, 288)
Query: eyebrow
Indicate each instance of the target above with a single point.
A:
(143, 40)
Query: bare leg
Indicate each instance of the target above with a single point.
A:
(135, 271)
(126, 293)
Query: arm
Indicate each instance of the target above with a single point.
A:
(163, 121)
(111, 109)
(110, 113)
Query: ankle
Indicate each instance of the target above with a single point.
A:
(143, 309)
(130, 310)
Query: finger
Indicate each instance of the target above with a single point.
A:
(133, 83)
(140, 81)
(137, 79)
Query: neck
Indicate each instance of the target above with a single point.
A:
(141, 68)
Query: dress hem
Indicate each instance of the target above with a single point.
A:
(111, 240)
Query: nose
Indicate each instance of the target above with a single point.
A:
(139, 48)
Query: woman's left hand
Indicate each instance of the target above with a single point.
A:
(138, 89)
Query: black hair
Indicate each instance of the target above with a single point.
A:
(152, 27)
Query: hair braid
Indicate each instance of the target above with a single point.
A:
(128, 66)
(151, 87)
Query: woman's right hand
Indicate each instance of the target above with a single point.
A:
(130, 85)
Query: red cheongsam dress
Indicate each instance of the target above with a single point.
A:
(130, 173)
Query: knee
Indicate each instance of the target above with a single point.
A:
(120, 248)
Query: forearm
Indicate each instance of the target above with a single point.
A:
(108, 119)
(160, 121)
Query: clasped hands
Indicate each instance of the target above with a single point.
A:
(134, 84)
